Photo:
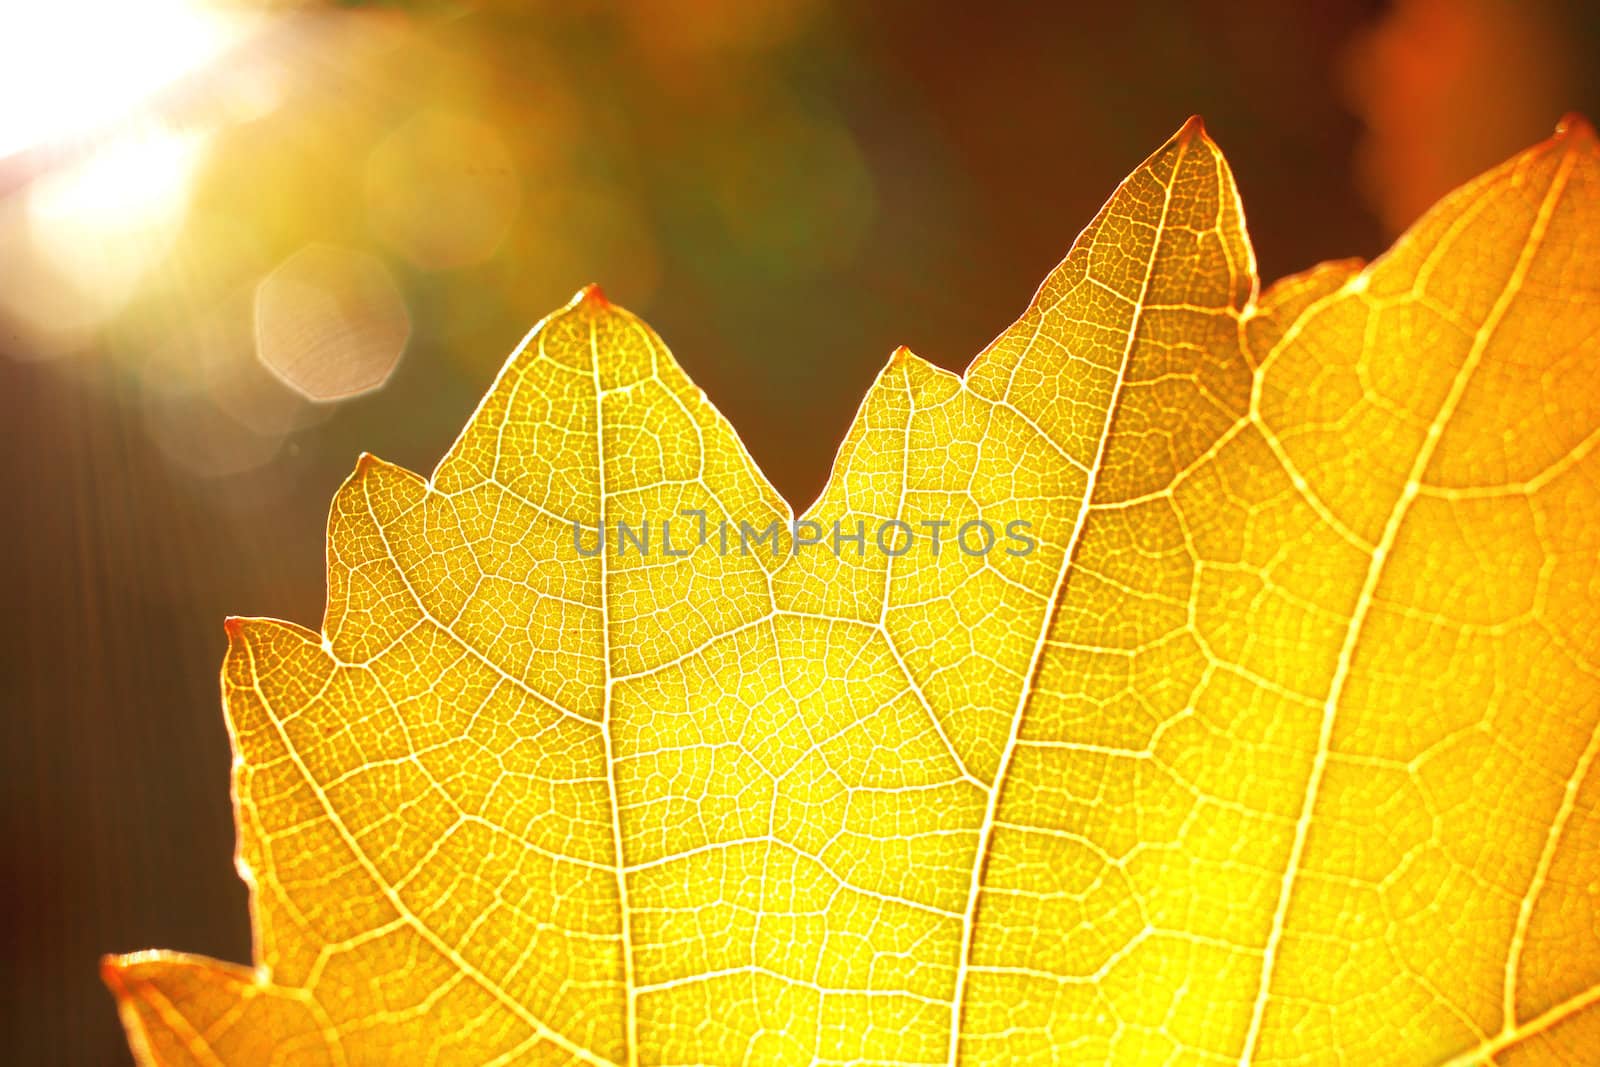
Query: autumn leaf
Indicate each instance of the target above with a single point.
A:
(1270, 736)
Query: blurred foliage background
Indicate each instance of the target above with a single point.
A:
(240, 245)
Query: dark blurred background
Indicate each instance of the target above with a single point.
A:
(238, 246)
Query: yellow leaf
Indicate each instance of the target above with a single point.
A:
(1278, 744)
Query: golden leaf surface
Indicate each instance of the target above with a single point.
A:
(1279, 747)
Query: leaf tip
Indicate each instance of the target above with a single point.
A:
(591, 295)
(233, 626)
(1193, 129)
(111, 973)
(1575, 128)
(114, 972)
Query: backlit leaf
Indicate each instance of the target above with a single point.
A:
(1278, 746)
